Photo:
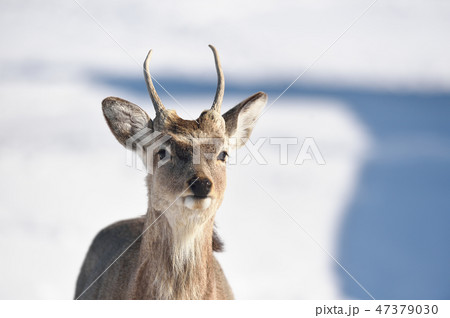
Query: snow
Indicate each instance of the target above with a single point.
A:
(376, 104)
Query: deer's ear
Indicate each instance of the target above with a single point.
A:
(241, 119)
(125, 119)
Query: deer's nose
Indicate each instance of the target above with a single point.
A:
(200, 186)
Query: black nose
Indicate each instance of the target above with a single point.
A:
(200, 186)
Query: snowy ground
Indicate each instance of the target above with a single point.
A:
(377, 104)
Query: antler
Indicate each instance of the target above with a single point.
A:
(220, 82)
(159, 107)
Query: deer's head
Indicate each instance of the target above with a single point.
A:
(188, 171)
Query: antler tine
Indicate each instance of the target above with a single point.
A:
(220, 82)
(159, 107)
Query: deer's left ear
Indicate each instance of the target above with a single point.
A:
(241, 119)
(125, 119)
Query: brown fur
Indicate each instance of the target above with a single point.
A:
(168, 253)
(165, 281)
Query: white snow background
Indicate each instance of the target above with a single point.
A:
(376, 103)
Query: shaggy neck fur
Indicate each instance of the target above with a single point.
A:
(176, 256)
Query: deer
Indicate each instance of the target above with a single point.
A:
(169, 252)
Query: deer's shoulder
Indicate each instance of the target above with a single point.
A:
(110, 243)
(120, 233)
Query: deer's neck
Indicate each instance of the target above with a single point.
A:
(176, 258)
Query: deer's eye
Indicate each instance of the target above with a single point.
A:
(162, 154)
(222, 156)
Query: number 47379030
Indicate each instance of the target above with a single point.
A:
(407, 309)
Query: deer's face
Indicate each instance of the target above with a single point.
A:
(187, 170)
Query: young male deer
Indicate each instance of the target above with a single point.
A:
(168, 253)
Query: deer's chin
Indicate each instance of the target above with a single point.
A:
(197, 203)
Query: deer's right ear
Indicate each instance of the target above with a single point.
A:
(241, 119)
(125, 119)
